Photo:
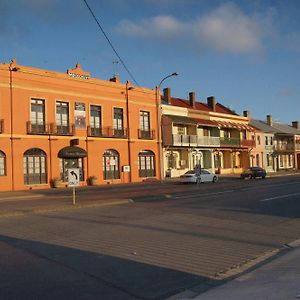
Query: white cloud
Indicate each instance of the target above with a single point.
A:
(225, 29)
(160, 26)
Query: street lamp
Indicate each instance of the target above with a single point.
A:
(159, 133)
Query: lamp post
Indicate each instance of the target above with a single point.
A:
(128, 88)
(12, 68)
(159, 132)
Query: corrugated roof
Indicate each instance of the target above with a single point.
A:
(201, 106)
(263, 126)
(278, 128)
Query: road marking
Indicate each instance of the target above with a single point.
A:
(279, 197)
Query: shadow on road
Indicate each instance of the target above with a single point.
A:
(37, 270)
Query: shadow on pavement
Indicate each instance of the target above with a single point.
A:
(37, 270)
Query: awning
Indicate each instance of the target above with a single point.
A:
(182, 120)
(191, 121)
(234, 125)
(207, 123)
(72, 152)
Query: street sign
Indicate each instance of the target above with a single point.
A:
(73, 177)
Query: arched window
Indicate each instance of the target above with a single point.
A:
(110, 162)
(34, 162)
(2, 164)
(146, 164)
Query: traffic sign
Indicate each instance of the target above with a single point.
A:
(73, 177)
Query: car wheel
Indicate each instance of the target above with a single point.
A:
(263, 177)
(215, 179)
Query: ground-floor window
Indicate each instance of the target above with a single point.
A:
(111, 164)
(34, 165)
(2, 164)
(146, 164)
(70, 163)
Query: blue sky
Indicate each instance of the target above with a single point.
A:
(245, 53)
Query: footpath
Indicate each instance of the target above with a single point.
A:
(278, 279)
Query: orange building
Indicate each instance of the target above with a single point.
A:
(52, 121)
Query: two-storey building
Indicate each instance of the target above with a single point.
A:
(282, 144)
(52, 121)
(264, 155)
(206, 134)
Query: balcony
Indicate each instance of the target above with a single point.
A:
(146, 134)
(62, 129)
(114, 132)
(247, 143)
(229, 142)
(33, 128)
(194, 140)
(286, 147)
(94, 131)
(1, 125)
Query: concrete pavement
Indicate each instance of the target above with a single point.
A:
(278, 279)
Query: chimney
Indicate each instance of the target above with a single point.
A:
(246, 114)
(192, 97)
(211, 103)
(167, 95)
(115, 78)
(295, 124)
(269, 120)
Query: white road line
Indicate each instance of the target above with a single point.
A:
(279, 197)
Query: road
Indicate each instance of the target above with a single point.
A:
(171, 238)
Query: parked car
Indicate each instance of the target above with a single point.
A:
(254, 172)
(198, 176)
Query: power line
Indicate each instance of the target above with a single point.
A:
(110, 43)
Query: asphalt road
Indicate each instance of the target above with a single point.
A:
(169, 239)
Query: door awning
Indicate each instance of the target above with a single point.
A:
(72, 152)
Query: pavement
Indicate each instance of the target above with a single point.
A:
(276, 279)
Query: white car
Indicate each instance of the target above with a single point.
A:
(198, 177)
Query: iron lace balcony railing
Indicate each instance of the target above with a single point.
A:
(62, 129)
(1, 125)
(146, 134)
(34, 128)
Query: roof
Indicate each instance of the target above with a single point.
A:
(222, 124)
(201, 106)
(285, 129)
(277, 128)
(263, 126)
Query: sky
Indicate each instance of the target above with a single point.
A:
(246, 53)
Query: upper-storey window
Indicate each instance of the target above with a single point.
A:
(144, 124)
(118, 118)
(145, 120)
(266, 140)
(37, 115)
(62, 117)
(95, 120)
(118, 122)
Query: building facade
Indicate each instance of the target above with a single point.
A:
(282, 144)
(208, 135)
(44, 115)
